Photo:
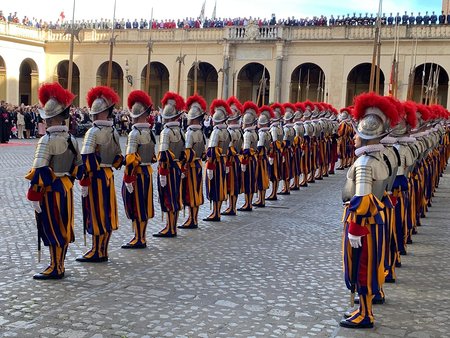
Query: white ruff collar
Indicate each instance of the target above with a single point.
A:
(264, 129)
(220, 126)
(234, 126)
(141, 125)
(56, 129)
(172, 124)
(406, 139)
(389, 140)
(371, 148)
(250, 128)
(195, 127)
(103, 123)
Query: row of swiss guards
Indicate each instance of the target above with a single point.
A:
(402, 149)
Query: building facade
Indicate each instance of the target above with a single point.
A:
(263, 64)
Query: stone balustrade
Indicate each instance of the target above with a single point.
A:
(232, 33)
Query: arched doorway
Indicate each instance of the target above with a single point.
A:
(253, 83)
(358, 81)
(206, 81)
(28, 82)
(430, 84)
(62, 71)
(308, 83)
(116, 77)
(159, 81)
(2, 79)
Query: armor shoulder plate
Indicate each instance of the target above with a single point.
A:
(42, 152)
(89, 141)
(132, 141)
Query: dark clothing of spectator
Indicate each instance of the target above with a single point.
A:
(426, 19)
(5, 125)
(398, 19)
(405, 19)
(390, 19)
(433, 19)
(442, 19)
(419, 19)
(412, 19)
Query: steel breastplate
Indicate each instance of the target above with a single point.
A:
(62, 163)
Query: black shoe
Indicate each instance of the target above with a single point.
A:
(340, 168)
(331, 172)
(270, 198)
(389, 280)
(312, 181)
(166, 235)
(403, 252)
(212, 219)
(84, 259)
(304, 185)
(414, 231)
(134, 246)
(188, 226)
(246, 209)
(409, 241)
(351, 325)
(295, 188)
(319, 178)
(398, 264)
(228, 213)
(348, 314)
(378, 301)
(284, 193)
(259, 205)
(43, 276)
(325, 175)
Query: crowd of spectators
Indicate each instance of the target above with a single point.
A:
(24, 122)
(190, 23)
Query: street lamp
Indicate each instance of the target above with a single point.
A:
(128, 77)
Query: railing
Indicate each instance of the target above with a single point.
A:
(250, 32)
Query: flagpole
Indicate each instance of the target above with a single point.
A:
(150, 49)
(376, 48)
(70, 70)
(299, 88)
(111, 46)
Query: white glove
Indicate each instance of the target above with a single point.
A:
(243, 168)
(84, 191)
(227, 169)
(355, 241)
(163, 180)
(37, 206)
(129, 187)
(210, 173)
(182, 175)
(271, 160)
(284, 159)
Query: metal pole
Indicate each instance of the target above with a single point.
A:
(149, 46)
(70, 70)
(111, 44)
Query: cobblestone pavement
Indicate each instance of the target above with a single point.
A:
(273, 272)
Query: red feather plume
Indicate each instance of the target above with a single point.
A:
(424, 111)
(367, 100)
(102, 91)
(410, 113)
(220, 103)
(233, 100)
(270, 110)
(309, 104)
(196, 98)
(279, 106)
(56, 91)
(139, 96)
(179, 101)
(250, 105)
(398, 105)
(289, 105)
(300, 106)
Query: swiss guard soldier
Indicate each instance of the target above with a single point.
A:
(192, 187)
(101, 153)
(249, 148)
(170, 155)
(233, 164)
(275, 157)
(219, 142)
(57, 162)
(288, 141)
(137, 189)
(299, 159)
(363, 221)
(264, 141)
